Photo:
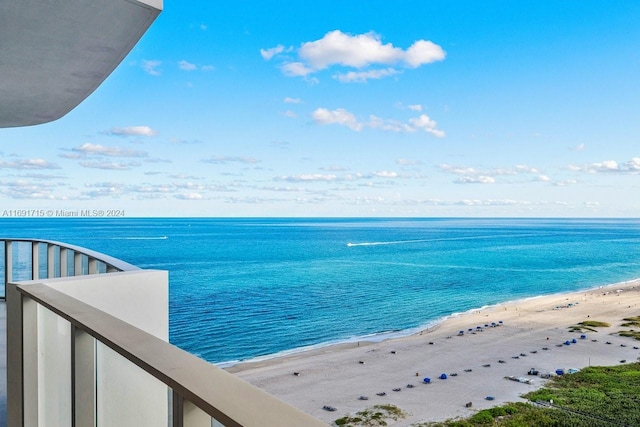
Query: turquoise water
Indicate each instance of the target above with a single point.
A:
(248, 288)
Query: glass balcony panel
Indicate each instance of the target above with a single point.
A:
(127, 396)
(21, 261)
(196, 417)
(42, 261)
(54, 356)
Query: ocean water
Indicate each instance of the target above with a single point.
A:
(242, 289)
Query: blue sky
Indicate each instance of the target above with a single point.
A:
(366, 108)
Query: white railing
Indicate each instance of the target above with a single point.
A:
(70, 363)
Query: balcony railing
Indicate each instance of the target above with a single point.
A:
(74, 358)
(33, 259)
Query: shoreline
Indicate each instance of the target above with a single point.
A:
(240, 365)
(532, 335)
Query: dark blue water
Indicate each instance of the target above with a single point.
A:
(245, 288)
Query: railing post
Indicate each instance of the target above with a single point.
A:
(83, 381)
(30, 368)
(77, 264)
(93, 266)
(35, 261)
(64, 262)
(177, 416)
(14, 354)
(51, 266)
(8, 264)
(186, 414)
(8, 261)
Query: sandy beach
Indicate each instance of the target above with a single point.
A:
(528, 334)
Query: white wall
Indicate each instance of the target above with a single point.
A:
(126, 395)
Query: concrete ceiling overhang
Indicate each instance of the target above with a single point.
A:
(55, 53)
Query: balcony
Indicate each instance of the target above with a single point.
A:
(87, 345)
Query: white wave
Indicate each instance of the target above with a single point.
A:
(396, 242)
(141, 238)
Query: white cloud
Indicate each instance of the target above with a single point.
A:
(481, 179)
(189, 196)
(109, 165)
(23, 190)
(355, 51)
(184, 141)
(290, 114)
(631, 167)
(28, 164)
(296, 69)
(407, 162)
(267, 54)
(88, 149)
(526, 169)
(187, 66)
(415, 107)
(363, 76)
(423, 52)
(385, 174)
(427, 124)
(358, 51)
(469, 175)
(151, 67)
(133, 131)
(339, 116)
(231, 159)
(289, 100)
(309, 178)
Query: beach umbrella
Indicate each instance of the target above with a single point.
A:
(443, 376)
(427, 380)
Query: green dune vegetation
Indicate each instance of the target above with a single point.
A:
(588, 325)
(631, 322)
(596, 396)
(375, 416)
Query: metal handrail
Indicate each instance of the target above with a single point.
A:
(221, 395)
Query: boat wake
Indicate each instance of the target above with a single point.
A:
(396, 242)
(141, 238)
